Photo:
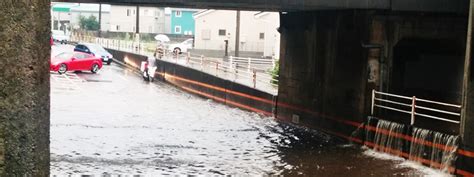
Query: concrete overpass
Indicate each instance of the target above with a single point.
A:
(457, 6)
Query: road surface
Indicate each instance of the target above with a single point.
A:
(114, 123)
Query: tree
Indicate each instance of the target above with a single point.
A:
(89, 23)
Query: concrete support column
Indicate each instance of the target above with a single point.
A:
(467, 118)
(24, 87)
(375, 55)
(322, 68)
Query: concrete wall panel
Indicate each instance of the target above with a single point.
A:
(24, 87)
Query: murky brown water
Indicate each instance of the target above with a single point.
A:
(117, 124)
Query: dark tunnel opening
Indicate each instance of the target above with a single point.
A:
(428, 69)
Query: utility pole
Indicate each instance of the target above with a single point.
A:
(137, 29)
(237, 34)
(137, 25)
(100, 19)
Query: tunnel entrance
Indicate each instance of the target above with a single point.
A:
(429, 69)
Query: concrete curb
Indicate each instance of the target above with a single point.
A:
(136, 70)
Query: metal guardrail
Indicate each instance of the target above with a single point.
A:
(412, 108)
(254, 71)
(232, 67)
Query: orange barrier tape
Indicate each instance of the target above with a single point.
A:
(466, 153)
(227, 101)
(464, 173)
(222, 89)
(316, 114)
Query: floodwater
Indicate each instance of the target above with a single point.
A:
(114, 123)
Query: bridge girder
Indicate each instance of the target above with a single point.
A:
(453, 6)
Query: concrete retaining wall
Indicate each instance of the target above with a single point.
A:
(206, 85)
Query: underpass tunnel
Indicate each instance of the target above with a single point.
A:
(429, 69)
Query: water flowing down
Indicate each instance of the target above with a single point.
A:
(434, 149)
(387, 137)
(419, 152)
(444, 156)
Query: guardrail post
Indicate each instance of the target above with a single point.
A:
(273, 62)
(236, 71)
(188, 57)
(373, 102)
(254, 79)
(413, 105)
(231, 61)
(249, 61)
(217, 69)
(202, 59)
(176, 58)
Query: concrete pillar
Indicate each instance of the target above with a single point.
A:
(24, 87)
(467, 118)
(322, 68)
(375, 55)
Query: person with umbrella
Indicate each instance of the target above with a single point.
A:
(160, 47)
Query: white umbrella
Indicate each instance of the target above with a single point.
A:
(162, 38)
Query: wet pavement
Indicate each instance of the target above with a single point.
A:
(115, 123)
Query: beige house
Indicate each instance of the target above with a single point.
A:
(258, 31)
(123, 19)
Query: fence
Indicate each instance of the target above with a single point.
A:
(253, 72)
(412, 106)
(232, 70)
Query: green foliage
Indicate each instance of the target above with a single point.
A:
(275, 71)
(89, 23)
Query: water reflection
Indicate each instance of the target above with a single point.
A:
(128, 127)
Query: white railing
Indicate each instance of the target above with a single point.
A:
(253, 72)
(230, 70)
(411, 106)
(253, 63)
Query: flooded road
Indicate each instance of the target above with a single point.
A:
(114, 123)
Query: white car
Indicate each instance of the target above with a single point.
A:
(60, 36)
(181, 47)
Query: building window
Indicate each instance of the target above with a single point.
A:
(128, 12)
(150, 29)
(178, 13)
(262, 35)
(118, 27)
(146, 12)
(177, 29)
(133, 29)
(222, 32)
(157, 13)
(133, 11)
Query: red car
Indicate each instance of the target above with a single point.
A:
(75, 61)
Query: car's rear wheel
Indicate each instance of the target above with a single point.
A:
(177, 51)
(95, 68)
(62, 68)
(109, 61)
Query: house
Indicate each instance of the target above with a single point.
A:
(123, 19)
(182, 21)
(258, 31)
(61, 16)
(87, 10)
(67, 15)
